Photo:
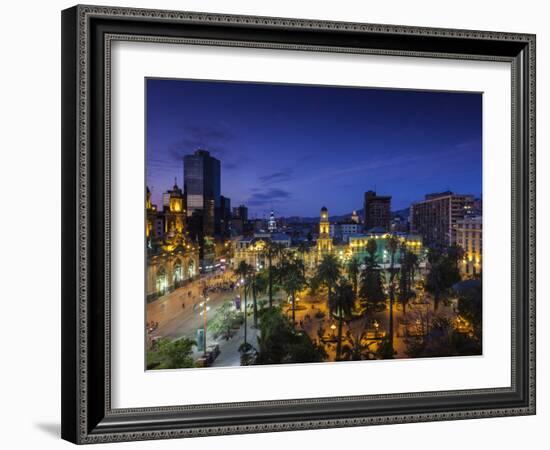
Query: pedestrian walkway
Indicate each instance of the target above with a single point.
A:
(229, 350)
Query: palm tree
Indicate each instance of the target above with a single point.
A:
(293, 280)
(409, 264)
(371, 291)
(272, 250)
(244, 270)
(455, 253)
(302, 249)
(353, 273)
(444, 272)
(356, 349)
(284, 257)
(372, 248)
(341, 303)
(328, 273)
(258, 285)
(435, 278)
(392, 244)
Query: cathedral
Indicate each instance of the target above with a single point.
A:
(172, 258)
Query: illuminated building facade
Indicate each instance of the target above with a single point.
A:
(409, 242)
(346, 229)
(172, 259)
(151, 228)
(469, 235)
(170, 269)
(435, 218)
(324, 240)
(252, 250)
(174, 212)
(272, 223)
(377, 211)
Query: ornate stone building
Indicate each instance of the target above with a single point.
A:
(172, 258)
(324, 241)
(469, 235)
(252, 250)
(409, 242)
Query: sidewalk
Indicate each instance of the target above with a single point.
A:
(229, 350)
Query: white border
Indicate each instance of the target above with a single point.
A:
(133, 387)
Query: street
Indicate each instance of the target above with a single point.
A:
(178, 315)
(176, 321)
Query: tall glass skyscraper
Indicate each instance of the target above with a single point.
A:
(202, 179)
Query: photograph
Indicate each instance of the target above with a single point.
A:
(272, 222)
(293, 223)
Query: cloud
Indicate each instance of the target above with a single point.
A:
(469, 144)
(272, 195)
(217, 139)
(276, 177)
(230, 165)
(389, 166)
(220, 141)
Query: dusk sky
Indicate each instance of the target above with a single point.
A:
(296, 148)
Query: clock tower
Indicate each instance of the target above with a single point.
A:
(324, 241)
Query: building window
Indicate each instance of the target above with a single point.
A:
(178, 273)
(191, 270)
(162, 284)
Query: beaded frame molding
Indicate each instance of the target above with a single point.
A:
(87, 35)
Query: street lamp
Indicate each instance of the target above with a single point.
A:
(204, 312)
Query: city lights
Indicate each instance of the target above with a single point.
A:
(300, 254)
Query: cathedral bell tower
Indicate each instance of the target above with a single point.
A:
(324, 241)
(175, 213)
(272, 223)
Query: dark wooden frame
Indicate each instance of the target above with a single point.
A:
(87, 31)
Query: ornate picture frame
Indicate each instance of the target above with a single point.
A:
(87, 35)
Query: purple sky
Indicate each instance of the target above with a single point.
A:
(295, 148)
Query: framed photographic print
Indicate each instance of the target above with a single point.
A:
(282, 224)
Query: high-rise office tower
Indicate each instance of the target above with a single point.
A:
(202, 179)
(240, 212)
(377, 211)
(225, 216)
(435, 218)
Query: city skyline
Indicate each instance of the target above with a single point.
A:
(400, 143)
(226, 290)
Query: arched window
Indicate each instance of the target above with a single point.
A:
(162, 284)
(177, 275)
(191, 270)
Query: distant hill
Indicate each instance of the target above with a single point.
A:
(403, 213)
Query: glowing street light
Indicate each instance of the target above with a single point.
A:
(204, 308)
